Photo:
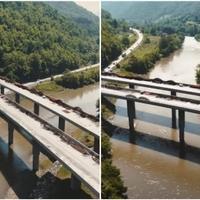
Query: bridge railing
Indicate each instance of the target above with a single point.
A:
(175, 103)
(42, 134)
(172, 86)
(76, 116)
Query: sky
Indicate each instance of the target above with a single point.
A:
(92, 6)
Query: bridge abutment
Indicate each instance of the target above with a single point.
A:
(173, 93)
(75, 183)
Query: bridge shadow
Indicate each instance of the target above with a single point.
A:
(22, 180)
(159, 119)
(155, 143)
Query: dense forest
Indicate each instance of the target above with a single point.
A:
(80, 16)
(114, 38)
(37, 41)
(159, 17)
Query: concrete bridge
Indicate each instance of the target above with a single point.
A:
(54, 142)
(172, 101)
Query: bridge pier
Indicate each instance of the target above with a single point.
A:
(36, 157)
(61, 123)
(17, 97)
(131, 86)
(173, 93)
(96, 145)
(10, 133)
(133, 103)
(2, 89)
(181, 114)
(75, 183)
(36, 108)
(131, 114)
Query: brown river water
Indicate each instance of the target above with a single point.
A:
(153, 166)
(16, 178)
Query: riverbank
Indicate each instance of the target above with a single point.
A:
(152, 49)
(71, 80)
(112, 183)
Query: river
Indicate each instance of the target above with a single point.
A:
(16, 178)
(153, 166)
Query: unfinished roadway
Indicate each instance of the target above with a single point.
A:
(82, 162)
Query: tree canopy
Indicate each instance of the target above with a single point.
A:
(112, 44)
(36, 41)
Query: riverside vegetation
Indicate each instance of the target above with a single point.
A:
(115, 38)
(152, 49)
(71, 80)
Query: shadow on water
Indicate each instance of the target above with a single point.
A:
(18, 175)
(159, 119)
(170, 147)
(22, 180)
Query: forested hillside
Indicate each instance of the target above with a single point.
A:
(36, 41)
(159, 17)
(85, 19)
(112, 44)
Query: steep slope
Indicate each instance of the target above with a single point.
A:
(36, 41)
(114, 38)
(87, 20)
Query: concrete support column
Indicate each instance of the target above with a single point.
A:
(10, 133)
(131, 86)
(61, 124)
(36, 108)
(96, 144)
(131, 114)
(36, 157)
(181, 116)
(173, 93)
(17, 97)
(75, 183)
(2, 89)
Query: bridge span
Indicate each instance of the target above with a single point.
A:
(82, 161)
(76, 116)
(132, 95)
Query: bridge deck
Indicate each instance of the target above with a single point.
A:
(68, 114)
(80, 164)
(187, 89)
(153, 99)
